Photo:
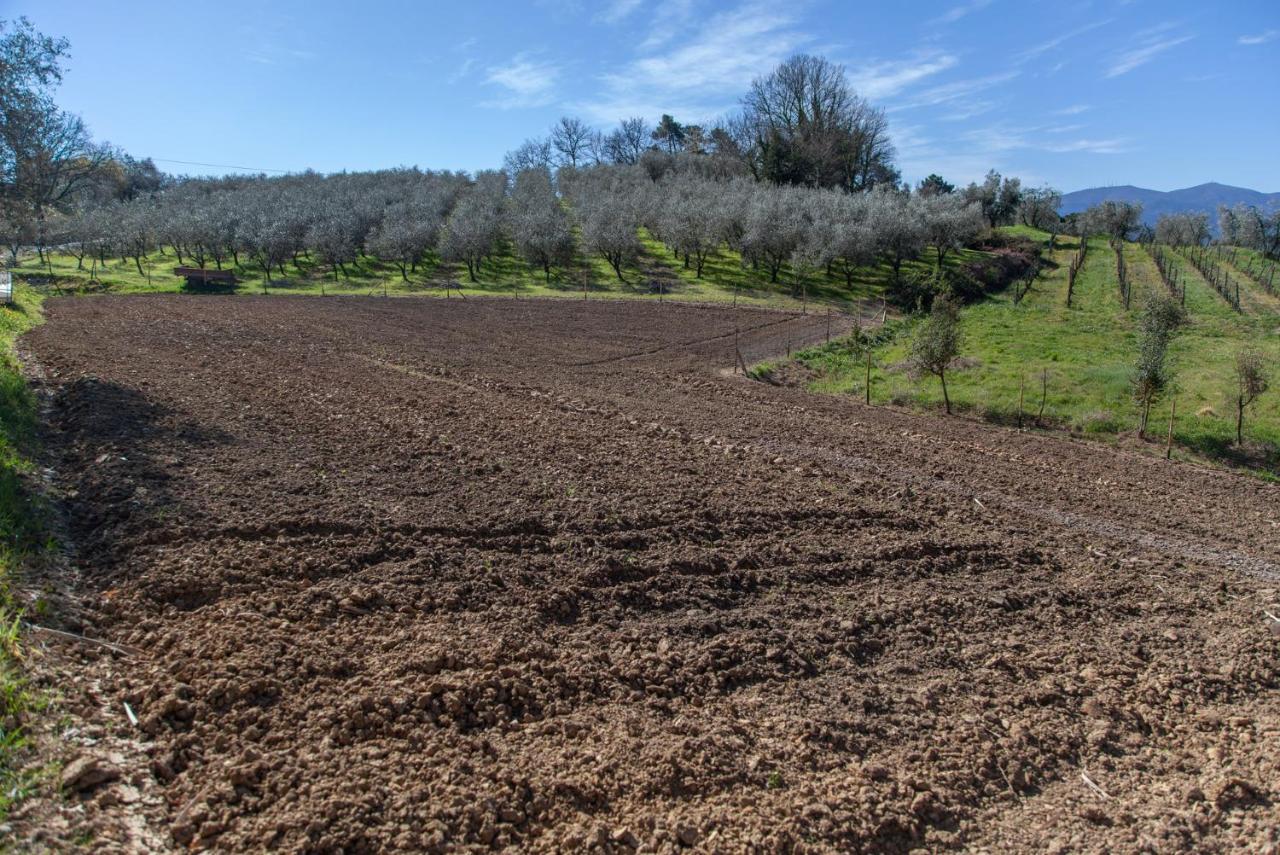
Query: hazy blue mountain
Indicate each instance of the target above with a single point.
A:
(1202, 197)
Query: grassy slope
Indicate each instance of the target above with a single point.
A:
(1087, 352)
(22, 535)
(504, 274)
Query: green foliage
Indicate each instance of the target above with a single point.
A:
(1087, 353)
(1151, 376)
(937, 342)
(22, 536)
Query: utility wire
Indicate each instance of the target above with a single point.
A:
(219, 165)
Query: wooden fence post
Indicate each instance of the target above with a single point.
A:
(1168, 443)
(868, 384)
(1044, 394)
(1022, 389)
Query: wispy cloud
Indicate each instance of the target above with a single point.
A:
(269, 54)
(958, 90)
(704, 74)
(466, 48)
(1259, 39)
(1153, 42)
(955, 13)
(1004, 137)
(528, 82)
(1073, 110)
(1115, 145)
(616, 10)
(1044, 47)
(883, 79)
(667, 20)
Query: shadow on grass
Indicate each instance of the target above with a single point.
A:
(1263, 457)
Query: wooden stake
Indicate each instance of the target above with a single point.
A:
(1044, 394)
(1168, 443)
(868, 390)
(1022, 390)
(828, 325)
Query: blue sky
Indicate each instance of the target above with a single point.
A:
(1159, 94)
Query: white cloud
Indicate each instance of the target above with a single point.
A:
(957, 90)
(1044, 47)
(705, 73)
(886, 78)
(616, 10)
(1153, 43)
(668, 20)
(955, 13)
(529, 82)
(1115, 145)
(1259, 39)
(1073, 110)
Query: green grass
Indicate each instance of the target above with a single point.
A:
(1087, 352)
(725, 278)
(23, 537)
(503, 274)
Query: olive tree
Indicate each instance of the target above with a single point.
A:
(1151, 375)
(1116, 220)
(689, 219)
(475, 224)
(937, 343)
(949, 223)
(608, 212)
(1038, 208)
(1183, 229)
(538, 223)
(1252, 379)
(898, 228)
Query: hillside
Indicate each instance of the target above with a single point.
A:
(1081, 358)
(1202, 197)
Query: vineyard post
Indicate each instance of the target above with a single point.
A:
(868, 383)
(1168, 442)
(1022, 391)
(1044, 393)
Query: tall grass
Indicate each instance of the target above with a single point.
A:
(23, 536)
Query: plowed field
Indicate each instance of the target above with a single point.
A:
(543, 575)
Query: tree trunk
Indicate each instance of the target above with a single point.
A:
(946, 399)
(1240, 420)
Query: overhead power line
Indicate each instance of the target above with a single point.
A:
(219, 165)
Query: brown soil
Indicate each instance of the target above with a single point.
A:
(541, 575)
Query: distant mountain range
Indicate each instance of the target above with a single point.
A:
(1202, 197)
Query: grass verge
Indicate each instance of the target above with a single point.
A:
(23, 537)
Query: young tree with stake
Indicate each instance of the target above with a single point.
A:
(937, 343)
(1252, 379)
(1151, 374)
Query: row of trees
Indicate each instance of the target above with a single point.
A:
(406, 217)
(1248, 226)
